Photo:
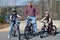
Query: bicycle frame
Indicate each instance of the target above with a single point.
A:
(44, 24)
(29, 22)
(28, 29)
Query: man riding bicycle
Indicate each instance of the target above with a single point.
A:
(31, 13)
(14, 21)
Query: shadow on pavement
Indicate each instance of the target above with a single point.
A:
(57, 33)
(48, 34)
(38, 34)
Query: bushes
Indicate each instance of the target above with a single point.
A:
(2, 19)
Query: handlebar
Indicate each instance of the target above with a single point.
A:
(29, 19)
(43, 21)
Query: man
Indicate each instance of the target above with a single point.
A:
(31, 13)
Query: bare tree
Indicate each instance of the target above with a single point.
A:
(13, 3)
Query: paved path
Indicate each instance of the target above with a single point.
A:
(4, 32)
(4, 36)
(39, 24)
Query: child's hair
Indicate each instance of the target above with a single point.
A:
(48, 15)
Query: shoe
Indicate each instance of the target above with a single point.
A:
(9, 36)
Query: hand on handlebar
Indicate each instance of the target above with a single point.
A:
(37, 17)
(20, 17)
(41, 20)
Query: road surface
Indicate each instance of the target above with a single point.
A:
(4, 33)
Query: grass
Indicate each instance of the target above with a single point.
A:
(4, 25)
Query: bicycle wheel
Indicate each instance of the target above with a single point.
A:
(18, 33)
(42, 33)
(13, 31)
(54, 30)
(26, 33)
(31, 30)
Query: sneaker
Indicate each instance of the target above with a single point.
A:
(8, 36)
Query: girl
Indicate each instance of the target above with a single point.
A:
(13, 18)
(49, 21)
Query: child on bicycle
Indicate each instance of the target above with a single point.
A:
(49, 21)
(13, 18)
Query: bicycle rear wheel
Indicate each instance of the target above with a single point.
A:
(54, 30)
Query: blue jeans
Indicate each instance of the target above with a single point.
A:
(11, 26)
(33, 22)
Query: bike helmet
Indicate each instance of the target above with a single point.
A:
(13, 10)
(46, 11)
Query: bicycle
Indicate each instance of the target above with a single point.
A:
(28, 29)
(15, 29)
(44, 29)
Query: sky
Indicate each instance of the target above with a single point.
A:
(23, 2)
(11, 2)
